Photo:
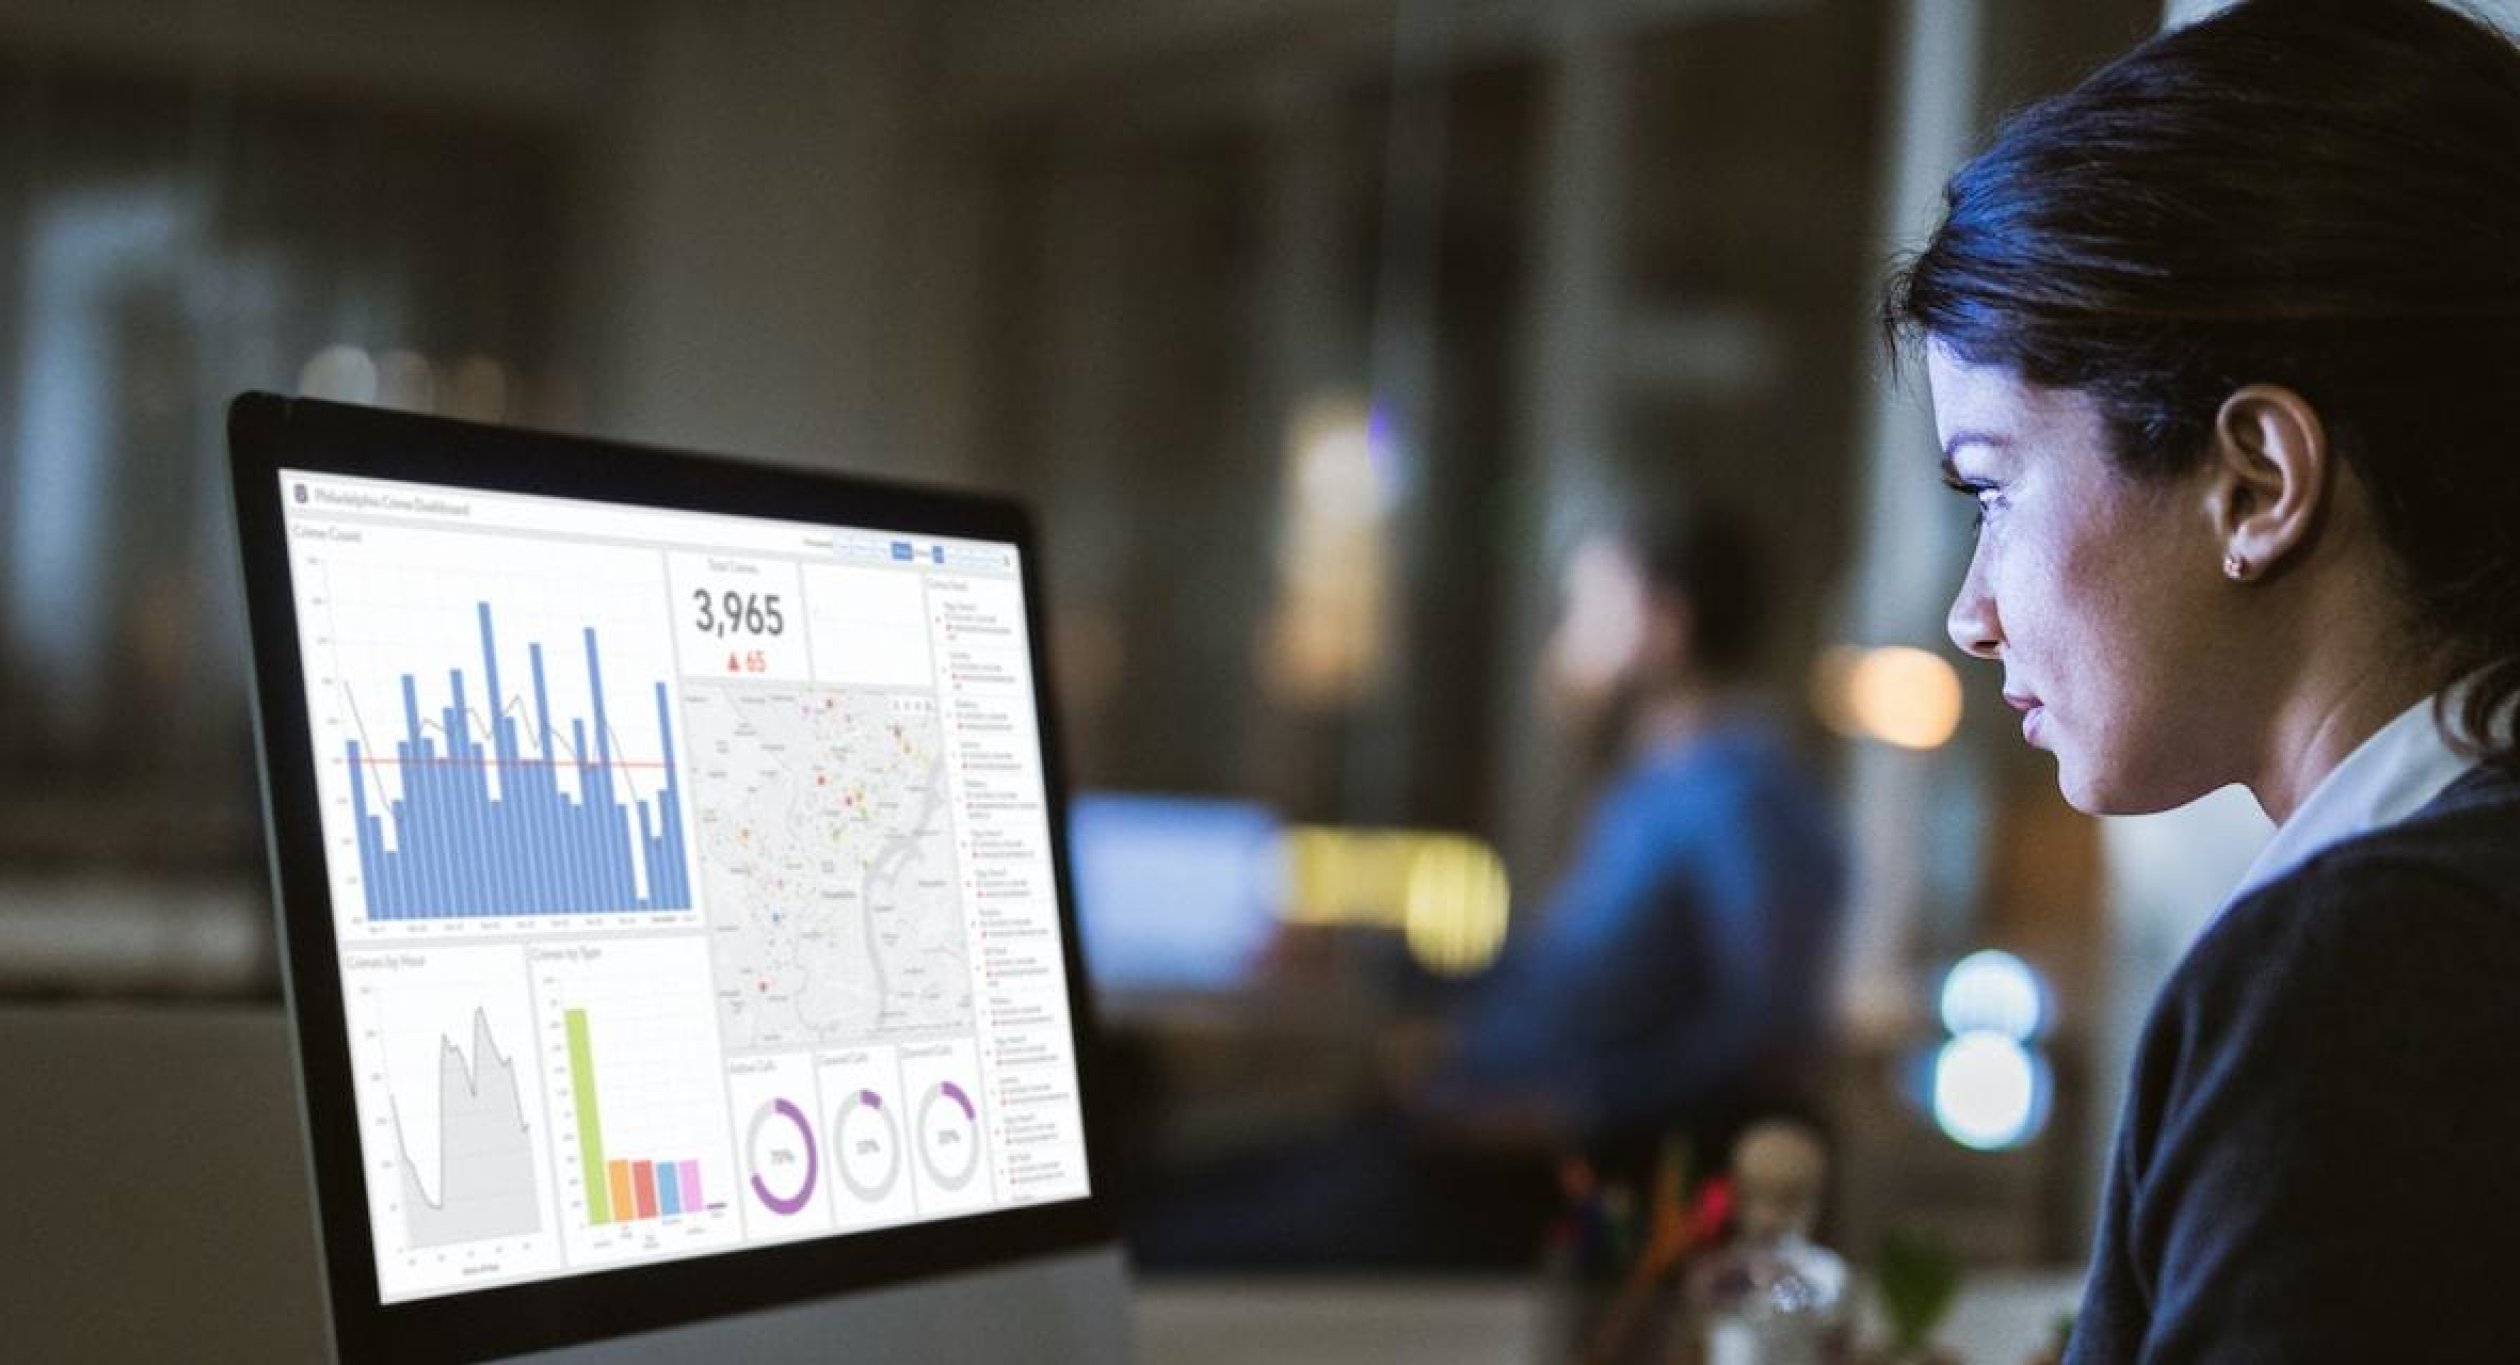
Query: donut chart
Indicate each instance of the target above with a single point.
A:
(866, 1145)
(949, 1136)
(785, 1161)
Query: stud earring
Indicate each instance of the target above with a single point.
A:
(2235, 567)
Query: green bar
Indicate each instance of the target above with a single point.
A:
(590, 1127)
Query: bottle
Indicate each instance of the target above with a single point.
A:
(1771, 1296)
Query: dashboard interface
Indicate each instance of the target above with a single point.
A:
(691, 875)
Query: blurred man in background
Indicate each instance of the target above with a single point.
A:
(1676, 979)
(1674, 983)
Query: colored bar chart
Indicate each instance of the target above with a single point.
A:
(620, 1189)
(488, 829)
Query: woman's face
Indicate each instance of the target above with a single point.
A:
(2100, 594)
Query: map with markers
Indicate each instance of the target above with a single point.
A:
(830, 856)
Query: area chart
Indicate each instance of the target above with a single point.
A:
(485, 1177)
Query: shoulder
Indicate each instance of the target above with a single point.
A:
(2443, 885)
(2403, 941)
(2330, 1068)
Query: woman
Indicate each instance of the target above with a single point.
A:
(2225, 346)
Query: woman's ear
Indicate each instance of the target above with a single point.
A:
(2268, 472)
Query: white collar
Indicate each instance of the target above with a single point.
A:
(2388, 777)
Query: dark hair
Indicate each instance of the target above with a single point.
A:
(1706, 554)
(2321, 194)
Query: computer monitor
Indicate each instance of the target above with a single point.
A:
(1177, 897)
(674, 900)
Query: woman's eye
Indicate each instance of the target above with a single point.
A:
(1987, 497)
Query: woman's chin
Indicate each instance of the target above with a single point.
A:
(2097, 791)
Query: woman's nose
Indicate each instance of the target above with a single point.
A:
(1972, 623)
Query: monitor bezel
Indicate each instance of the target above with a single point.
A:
(268, 434)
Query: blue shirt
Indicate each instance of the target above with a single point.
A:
(1690, 944)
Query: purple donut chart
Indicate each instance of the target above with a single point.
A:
(866, 1143)
(786, 1161)
(949, 1136)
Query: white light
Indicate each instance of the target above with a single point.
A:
(1337, 477)
(343, 374)
(407, 381)
(1994, 992)
(1989, 1091)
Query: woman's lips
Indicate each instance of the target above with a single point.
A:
(2032, 715)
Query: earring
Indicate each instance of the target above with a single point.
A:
(2235, 567)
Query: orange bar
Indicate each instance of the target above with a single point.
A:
(643, 1174)
(625, 1205)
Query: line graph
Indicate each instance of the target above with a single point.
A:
(452, 1116)
(485, 1151)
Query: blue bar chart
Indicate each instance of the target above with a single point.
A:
(484, 825)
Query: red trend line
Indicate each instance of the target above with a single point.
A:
(372, 762)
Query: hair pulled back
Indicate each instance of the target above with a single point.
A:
(2321, 194)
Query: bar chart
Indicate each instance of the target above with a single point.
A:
(638, 1097)
(484, 824)
(618, 1189)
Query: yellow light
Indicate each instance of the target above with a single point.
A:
(1457, 905)
(1901, 696)
(1316, 873)
(1446, 894)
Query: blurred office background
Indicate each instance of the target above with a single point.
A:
(1314, 328)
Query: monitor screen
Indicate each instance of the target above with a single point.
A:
(1175, 895)
(690, 874)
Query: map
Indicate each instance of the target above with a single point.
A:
(835, 908)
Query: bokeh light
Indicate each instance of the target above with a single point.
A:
(1447, 894)
(406, 381)
(1896, 694)
(1990, 1092)
(476, 390)
(1993, 991)
(341, 374)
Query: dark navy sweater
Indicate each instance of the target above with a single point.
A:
(2319, 1159)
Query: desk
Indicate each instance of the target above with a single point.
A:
(1332, 1322)
(1999, 1319)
